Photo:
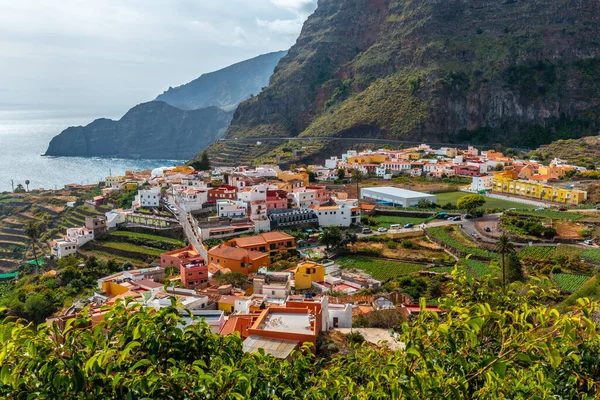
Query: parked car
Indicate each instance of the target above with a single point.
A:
(366, 231)
(488, 229)
(588, 242)
(395, 226)
(382, 230)
(562, 209)
(409, 226)
(467, 216)
(457, 218)
(450, 219)
(539, 209)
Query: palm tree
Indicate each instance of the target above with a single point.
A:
(357, 176)
(33, 233)
(27, 184)
(504, 246)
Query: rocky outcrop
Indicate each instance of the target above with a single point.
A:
(225, 88)
(514, 72)
(153, 130)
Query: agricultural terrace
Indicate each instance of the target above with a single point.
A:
(378, 268)
(570, 283)
(456, 240)
(490, 202)
(559, 215)
(546, 253)
(136, 235)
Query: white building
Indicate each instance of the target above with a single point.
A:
(340, 315)
(255, 193)
(304, 198)
(480, 183)
(397, 167)
(148, 198)
(80, 236)
(331, 163)
(192, 199)
(395, 196)
(343, 213)
(232, 209)
(115, 218)
(276, 285)
(63, 248)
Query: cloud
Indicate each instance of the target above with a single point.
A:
(285, 26)
(300, 7)
(127, 51)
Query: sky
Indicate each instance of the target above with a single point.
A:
(108, 55)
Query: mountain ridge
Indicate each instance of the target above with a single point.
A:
(208, 102)
(225, 88)
(484, 72)
(175, 134)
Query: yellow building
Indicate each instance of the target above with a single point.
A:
(552, 169)
(504, 182)
(368, 159)
(129, 186)
(288, 176)
(308, 272)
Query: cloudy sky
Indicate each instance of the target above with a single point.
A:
(112, 54)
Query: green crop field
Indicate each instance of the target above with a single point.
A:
(133, 248)
(446, 238)
(479, 268)
(536, 252)
(593, 255)
(135, 235)
(452, 197)
(379, 268)
(570, 283)
(568, 251)
(385, 221)
(569, 216)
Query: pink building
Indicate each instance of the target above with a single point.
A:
(277, 199)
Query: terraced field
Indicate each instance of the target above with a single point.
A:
(570, 283)
(457, 242)
(379, 268)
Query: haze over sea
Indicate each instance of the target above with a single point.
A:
(24, 136)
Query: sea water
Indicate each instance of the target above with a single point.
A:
(25, 133)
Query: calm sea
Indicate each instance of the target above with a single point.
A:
(24, 137)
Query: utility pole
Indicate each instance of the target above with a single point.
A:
(12, 184)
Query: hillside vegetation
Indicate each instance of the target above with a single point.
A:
(488, 345)
(520, 73)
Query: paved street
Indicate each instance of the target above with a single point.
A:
(188, 229)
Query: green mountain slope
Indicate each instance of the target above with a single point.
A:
(520, 73)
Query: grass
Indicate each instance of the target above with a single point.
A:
(110, 256)
(536, 252)
(452, 197)
(447, 238)
(479, 268)
(570, 283)
(385, 221)
(591, 290)
(133, 248)
(567, 216)
(379, 268)
(135, 235)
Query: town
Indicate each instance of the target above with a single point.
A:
(281, 257)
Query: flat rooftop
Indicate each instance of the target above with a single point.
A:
(286, 322)
(276, 347)
(394, 191)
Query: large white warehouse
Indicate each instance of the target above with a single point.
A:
(395, 196)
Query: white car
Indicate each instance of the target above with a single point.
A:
(382, 230)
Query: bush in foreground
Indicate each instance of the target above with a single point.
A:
(488, 345)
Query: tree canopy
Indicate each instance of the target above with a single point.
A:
(470, 202)
(487, 345)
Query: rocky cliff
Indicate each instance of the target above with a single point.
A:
(516, 72)
(225, 88)
(153, 130)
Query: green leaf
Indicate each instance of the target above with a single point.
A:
(500, 369)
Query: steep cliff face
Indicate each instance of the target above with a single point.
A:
(153, 130)
(517, 72)
(225, 88)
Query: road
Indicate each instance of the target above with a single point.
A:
(188, 229)
(416, 228)
(345, 139)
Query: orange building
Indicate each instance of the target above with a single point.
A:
(270, 242)
(237, 259)
(179, 257)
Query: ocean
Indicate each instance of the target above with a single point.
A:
(24, 136)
